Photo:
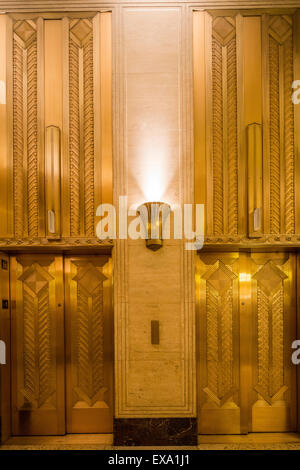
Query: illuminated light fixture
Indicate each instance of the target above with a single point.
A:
(154, 216)
(245, 277)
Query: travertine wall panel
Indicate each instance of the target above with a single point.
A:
(153, 380)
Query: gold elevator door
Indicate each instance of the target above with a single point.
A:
(246, 326)
(62, 366)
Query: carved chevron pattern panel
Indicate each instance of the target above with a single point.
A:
(281, 131)
(37, 324)
(224, 127)
(81, 127)
(270, 332)
(88, 335)
(219, 329)
(25, 191)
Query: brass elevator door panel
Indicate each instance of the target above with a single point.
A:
(273, 395)
(218, 340)
(37, 345)
(89, 344)
(246, 325)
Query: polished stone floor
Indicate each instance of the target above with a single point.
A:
(262, 441)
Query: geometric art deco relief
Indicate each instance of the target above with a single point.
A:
(280, 134)
(246, 320)
(224, 127)
(28, 132)
(88, 337)
(219, 333)
(25, 133)
(224, 112)
(38, 340)
(270, 332)
(81, 127)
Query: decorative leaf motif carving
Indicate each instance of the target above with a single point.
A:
(219, 320)
(25, 127)
(74, 143)
(32, 157)
(81, 123)
(270, 331)
(217, 145)
(18, 138)
(87, 334)
(224, 126)
(274, 138)
(38, 338)
(282, 157)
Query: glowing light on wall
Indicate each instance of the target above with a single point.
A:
(245, 277)
(154, 169)
(2, 92)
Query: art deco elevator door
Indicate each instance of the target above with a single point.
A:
(246, 325)
(37, 342)
(89, 344)
(61, 345)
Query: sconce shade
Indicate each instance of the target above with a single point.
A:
(154, 215)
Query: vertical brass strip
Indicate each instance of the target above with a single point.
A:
(5, 372)
(3, 129)
(298, 313)
(266, 122)
(65, 154)
(254, 138)
(53, 122)
(296, 35)
(52, 167)
(253, 117)
(9, 133)
(98, 177)
(246, 328)
(25, 142)
(106, 108)
(41, 125)
(225, 139)
(241, 164)
(282, 141)
(81, 139)
(199, 106)
(209, 122)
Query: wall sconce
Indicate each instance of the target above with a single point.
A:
(154, 216)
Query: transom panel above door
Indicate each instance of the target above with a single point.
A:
(246, 325)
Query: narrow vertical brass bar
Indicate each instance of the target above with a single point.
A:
(296, 36)
(199, 106)
(25, 151)
(225, 139)
(81, 133)
(105, 109)
(53, 123)
(255, 189)
(3, 129)
(41, 124)
(9, 133)
(281, 137)
(208, 119)
(5, 391)
(241, 135)
(246, 326)
(52, 171)
(266, 122)
(65, 189)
